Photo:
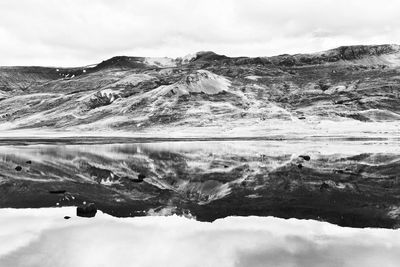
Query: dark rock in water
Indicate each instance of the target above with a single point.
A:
(226, 166)
(302, 118)
(87, 210)
(340, 171)
(140, 178)
(18, 168)
(57, 191)
(324, 186)
(28, 162)
(300, 166)
(67, 217)
(305, 157)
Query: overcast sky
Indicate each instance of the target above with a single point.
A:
(81, 32)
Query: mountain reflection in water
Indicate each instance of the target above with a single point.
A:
(342, 182)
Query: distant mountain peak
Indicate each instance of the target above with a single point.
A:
(358, 51)
(208, 56)
(386, 54)
(122, 62)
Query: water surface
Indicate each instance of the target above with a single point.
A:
(350, 183)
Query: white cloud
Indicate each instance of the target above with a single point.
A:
(50, 32)
(41, 237)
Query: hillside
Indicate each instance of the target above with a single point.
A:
(349, 91)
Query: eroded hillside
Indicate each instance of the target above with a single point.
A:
(350, 91)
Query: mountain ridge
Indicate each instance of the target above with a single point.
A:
(347, 53)
(355, 88)
(341, 51)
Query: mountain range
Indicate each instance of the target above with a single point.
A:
(350, 91)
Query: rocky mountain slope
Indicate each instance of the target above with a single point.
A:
(351, 91)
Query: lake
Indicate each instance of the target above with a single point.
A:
(346, 182)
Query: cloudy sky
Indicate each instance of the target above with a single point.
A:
(48, 240)
(76, 32)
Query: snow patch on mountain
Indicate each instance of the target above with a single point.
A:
(160, 61)
(253, 77)
(189, 57)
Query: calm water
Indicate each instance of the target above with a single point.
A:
(352, 183)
